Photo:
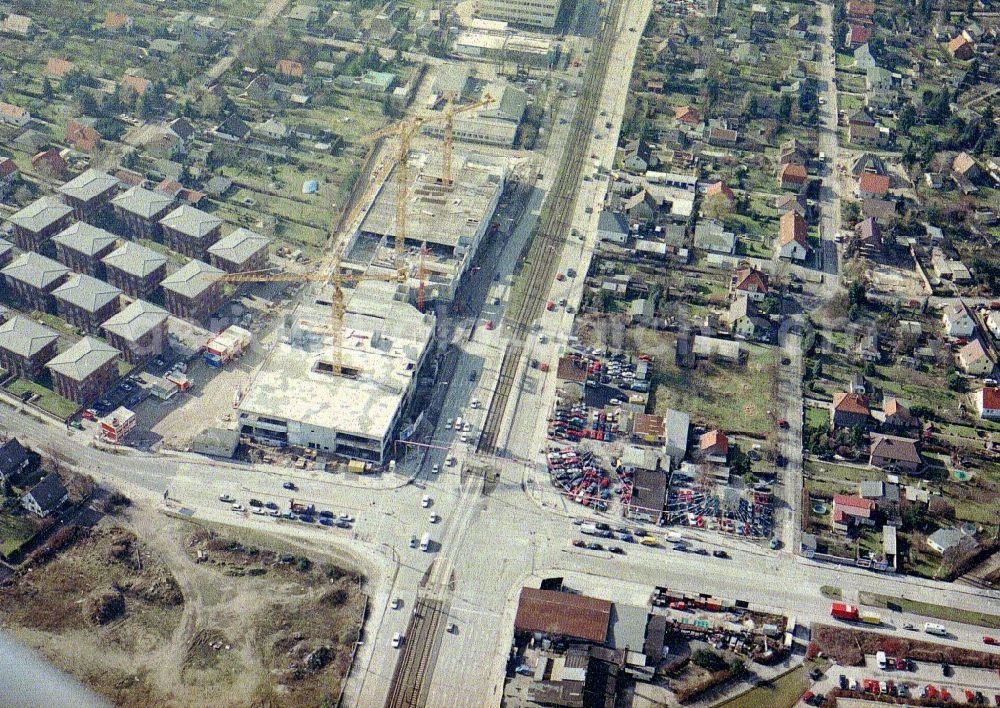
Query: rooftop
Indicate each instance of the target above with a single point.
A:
(851, 403)
(190, 221)
(239, 246)
(35, 270)
(134, 259)
(563, 614)
(143, 202)
(135, 320)
(84, 238)
(445, 216)
(892, 447)
(40, 213)
(85, 292)
(192, 279)
(89, 185)
(82, 359)
(25, 337)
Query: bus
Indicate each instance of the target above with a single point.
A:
(425, 542)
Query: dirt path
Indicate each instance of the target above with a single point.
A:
(265, 19)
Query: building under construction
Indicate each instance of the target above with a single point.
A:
(451, 221)
(298, 399)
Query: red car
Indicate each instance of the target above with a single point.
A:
(550, 306)
(560, 277)
(489, 324)
(990, 640)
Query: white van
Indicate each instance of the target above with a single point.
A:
(935, 629)
(425, 542)
(880, 658)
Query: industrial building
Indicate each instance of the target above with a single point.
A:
(451, 220)
(533, 13)
(297, 400)
(494, 124)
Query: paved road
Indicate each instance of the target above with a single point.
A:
(829, 144)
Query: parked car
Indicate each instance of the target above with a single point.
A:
(289, 485)
(720, 554)
(397, 639)
(226, 498)
(617, 549)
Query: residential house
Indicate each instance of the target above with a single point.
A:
(849, 410)
(38, 222)
(882, 209)
(792, 152)
(139, 331)
(895, 453)
(81, 136)
(49, 163)
(232, 129)
(974, 359)
(131, 83)
(867, 162)
(8, 172)
(687, 115)
(14, 115)
(751, 282)
(635, 156)
(797, 26)
(117, 21)
(272, 130)
(46, 496)
(791, 202)
(85, 371)
(140, 210)
(6, 252)
(714, 446)
(289, 68)
(869, 241)
(648, 428)
(378, 82)
(992, 322)
(792, 176)
(886, 496)
(961, 48)
(710, 235)
(612, 227)
(861, 117)
(642, 311)
(964, 165)
(242, 250)
(722, 137)
(190, 231)
(31, 278)
(958, 321)
(135, 269)
(85, 302)
(745, 321)
(194, 292)
(25, 346)
(950, 539)
(868, 348)
(793, 239)
(849, 510)
(858, 384)
(898, 416)
(857, 35)
(872, 185)
(880, 89)
(867, 135)
(859, 11)
(863, 59)
(89, 192)
(15, 460)
(82, 246)
(17, 25)
(720, 190)
(988, 403)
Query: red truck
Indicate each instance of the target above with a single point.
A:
(841, 611)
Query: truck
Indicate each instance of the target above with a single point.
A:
(425, 542)
(870, 618)
(842, 611)
(935, 629)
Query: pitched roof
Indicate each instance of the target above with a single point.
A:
(136, 83)
(192, 279)
(858, 34)
(83, 358)
(239, 246)
(49, 492)
(687, 114)
(792, 227)
(957, 43)
(893, 447)
(89, 184)
(82, 137)
(86, 292)
(563, 613)
(894, 409)
(143, 202)
(855, 403)
(856, 505)
(714, 438)
(12, 455)
(25, 337)
(116, 20)
(974, 352)
(751, 279)
(59, 68)
(873, 184)
(40, 213)
(720, 188)
(860, 9)
(135, 320)
(289, 67)
(35, 270)
(963, 162)
(571, 369)
(989, 398)
(12, 111)
(793, 172)
(869, 229)
(135, 259)
(7, 167)
(190, 221)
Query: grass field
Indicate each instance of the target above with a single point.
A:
(927, 609)
(782, 692)
(14, 531)
(47, 399)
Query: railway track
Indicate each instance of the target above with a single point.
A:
(408, 687)
(550, 234)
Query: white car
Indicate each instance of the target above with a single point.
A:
(436, 468)
(447, 426)
(259, 511)
(450, 460)
(434, 517)
(239, 507)
(474, 403)
(467, 428)
(396, 603)
(226, 498)
(426, 501)
(397, 639)
(464, 438)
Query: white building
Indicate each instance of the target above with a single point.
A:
(957, 321)
(535, 13)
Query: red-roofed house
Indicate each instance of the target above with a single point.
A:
(961, 48)
(750, 282)
(14, 115)
(857, 34)
(82, 137)
(872, 186)
(8, 168)
(49, 162)
(858, 11)
(793, 239)
(792, 176)
(714, 445)
(135, 83)
(849, 510)
(849, 410)
(898, 416)
(59, 68)
(988, 403)
(687, 115)
(720, 189)
(287, 67)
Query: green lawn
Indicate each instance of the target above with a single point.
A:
(14, 531)
(47, 399)
(927, 609)
(781, 692)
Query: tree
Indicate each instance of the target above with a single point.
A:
(86, 102)
(47, 92)
(907, 119)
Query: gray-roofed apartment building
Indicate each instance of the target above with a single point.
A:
(32, 278)
(81, 247)
(139, 331)
(6, 252)
(36, 223)
(140, 210)
(25, 346)
(85, 371)
(86, 302)
(135, 269)
(193, 292)
(190, 231)
(89, 192)
(242, 250)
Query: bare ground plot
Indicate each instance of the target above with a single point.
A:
(849, 646)
(181, 615)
